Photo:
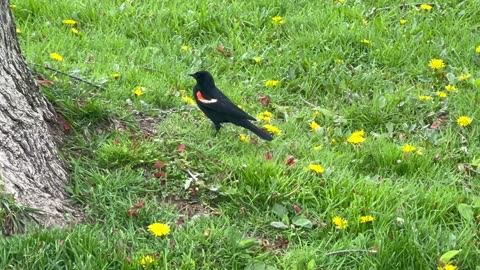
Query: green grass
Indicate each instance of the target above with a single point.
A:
(424, 205)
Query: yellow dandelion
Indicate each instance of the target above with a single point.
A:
(257, 59)
(441, 94)
(56, 57)
(146, 260)
(69, 22)
(447, 267)
(159, 229)
(138, 91)
(278, 20)
(272, 129)
(318, 147)
(464, 77)
(451, 88)
(407, 148)
(426, 7)
(464, 121)
(271, 83)
(316, 113)
(424, 98)
(244, 138)
(115, 75)
(185, 48)
(314, 126)
(75, 31)
(316, 168)
(333, 141)
(366, 219)
(477, 49)
(13, 6)
(18, 30)
(357, 137)
(341, 1)
(188, 100)
(403, 21)
(340, 223)
(436, 64)
(265, 116)
(366, 41)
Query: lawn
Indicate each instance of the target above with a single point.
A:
(374, 105)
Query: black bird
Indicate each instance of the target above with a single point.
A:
(219, 108)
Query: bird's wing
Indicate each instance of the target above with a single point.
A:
(222, 105)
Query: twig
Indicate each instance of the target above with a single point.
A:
(402, 6)
(347, 251)
(72, 76)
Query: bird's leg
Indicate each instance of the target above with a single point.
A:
(217, 128)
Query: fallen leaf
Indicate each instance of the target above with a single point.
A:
(44, 82)
(267, 156)
(221, 48)
(67, 128)
(297, 208)
(290, 160)
(158, 164)
(132, 212)
(228, 54)
(264, 100)
(181, 148)
(139, 204)
(159, 174)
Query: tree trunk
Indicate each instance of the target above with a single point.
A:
(30, 167)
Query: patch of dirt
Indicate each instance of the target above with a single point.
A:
(191, 209)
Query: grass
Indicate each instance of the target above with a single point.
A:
(125, 149)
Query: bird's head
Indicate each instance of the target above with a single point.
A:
(203, 77)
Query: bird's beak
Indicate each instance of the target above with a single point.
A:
(193, 75)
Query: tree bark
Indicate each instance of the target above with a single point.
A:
(30, 167)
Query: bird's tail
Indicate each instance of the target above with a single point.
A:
(258, 131)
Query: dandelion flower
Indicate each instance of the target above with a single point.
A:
(278, 20)
(159, 229)
(425, 7)
(115, 75)
(451, 88)
(265, 116)
(272, 129)
(69, 22)
(271, 83)
(316, 168)
(75, 31)
(407, 148)
(316, 113)
(366, 41)
(357, 137)
(441, 94)
(477, 49)
(188, 100)
(314, 126)
(56, 57)
(18, 30)
(366, 219)
(138, 91)
(447, 267)
(257, 59)
(318, 147)
(403, 21)
(425, 98)
(464, 77)
(146, 260)
(185, 48)
(244, 138)
(464, 121)
(340, 223)
(436, 64)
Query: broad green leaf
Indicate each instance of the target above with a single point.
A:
(278, 225)
(447, 256)
(302, 222)
(465, 211)
(279, 210)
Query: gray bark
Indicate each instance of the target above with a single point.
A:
(30, 167)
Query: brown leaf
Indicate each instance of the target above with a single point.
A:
(267, 156)
(44, 82)
(264, 100)
(290, 160)
(158, 164)
(139, 204)
(159, 174)
(181, 148)
(228, 54)
(180, 221)
(297, 208)
(221, 48)
(132, 212)
(116, 141)
(67, 128)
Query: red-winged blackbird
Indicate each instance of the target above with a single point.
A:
(219, 108)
